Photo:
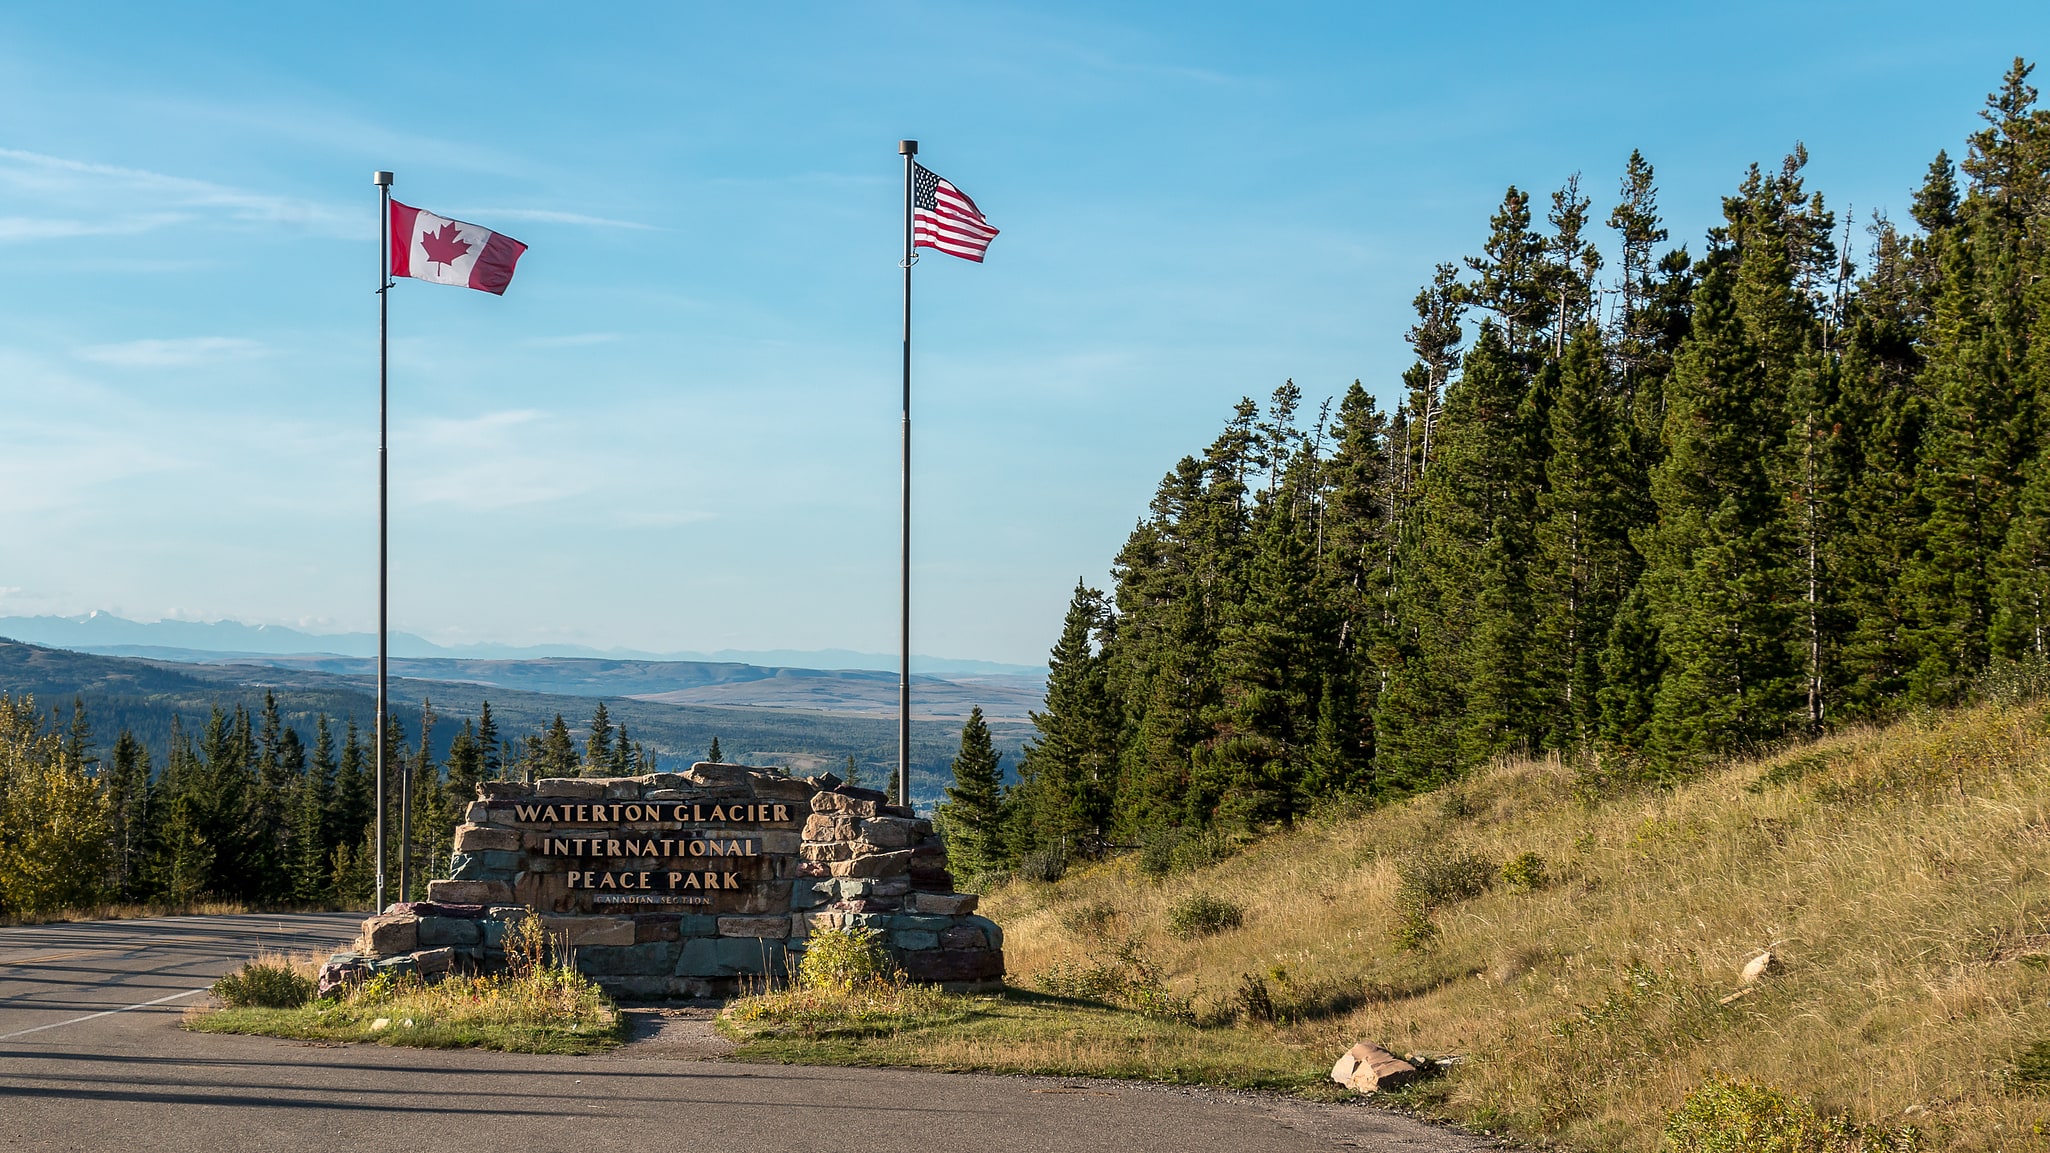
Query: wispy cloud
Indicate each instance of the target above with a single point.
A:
(571, 340)
(138, 200)
(553, 217)
(176, 353)
(23, 228)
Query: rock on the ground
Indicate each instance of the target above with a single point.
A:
(1762, 965)
(1368, 1068)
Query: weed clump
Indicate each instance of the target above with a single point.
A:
(840, 959)
(1126, 978)
(1726, 1116)
(1172, 851)
(1526, 873)
(1045, 865)
(263, 985)
(846, 986)
(1090, 919)
(1200, 915)
(2031, 1072)
(1430, 880)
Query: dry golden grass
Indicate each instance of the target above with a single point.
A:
(202, 908)
(1901, 874)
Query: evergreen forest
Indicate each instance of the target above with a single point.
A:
(1640, 511)
(244, 809)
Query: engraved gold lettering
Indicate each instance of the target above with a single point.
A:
(612, 848)
(711, 880)
(644, 880)
(527, 812)
(607, 881)
(718, 813)
(782, 812)
(732, 880)
(690, 881)
(674, 878)
(550, 815)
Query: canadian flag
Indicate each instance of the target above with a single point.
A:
(429, 247)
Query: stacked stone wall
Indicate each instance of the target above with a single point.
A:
(681, 885)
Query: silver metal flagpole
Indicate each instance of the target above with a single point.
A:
(909, 149)
(384, 282)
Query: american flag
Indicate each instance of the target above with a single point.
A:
(944, 218)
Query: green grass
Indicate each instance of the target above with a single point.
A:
(1026, 1032)
(545, 1008)
(318, 1022)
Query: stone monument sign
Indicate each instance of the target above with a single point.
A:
(680, 884)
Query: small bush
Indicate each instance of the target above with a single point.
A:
(1432, 879)
(1725, 1116)
(1171, 851)
(840, 959)
(259, 985)
(1045, 865)
(1090, 919)
(1525, 872)
(1428, 881)
(1200, 915)
(1126, 979)
(2032, 1068)
(1253, 1001)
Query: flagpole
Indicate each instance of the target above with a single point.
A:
(383, 181)
(909, 150)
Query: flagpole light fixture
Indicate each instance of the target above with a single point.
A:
(381, 179)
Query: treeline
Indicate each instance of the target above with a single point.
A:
(1643, 518)
(248, 810)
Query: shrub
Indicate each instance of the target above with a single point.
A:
(1200, 915)
(261, 985)
(1170, 851)
(1526, 872)
(2032, 1068)
(1432, 879)
(1726, 1116)
(1253, 1002)
(1126, 978)
(1045, 865)
(1428, 881)
(1090, 919)
(840, 959)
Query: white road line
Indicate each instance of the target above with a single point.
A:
(94, 1016)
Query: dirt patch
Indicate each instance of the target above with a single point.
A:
(675, 1033)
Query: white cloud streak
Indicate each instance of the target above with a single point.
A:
(177, 353)
(136, 200)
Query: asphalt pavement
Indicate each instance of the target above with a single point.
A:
(92, 1058)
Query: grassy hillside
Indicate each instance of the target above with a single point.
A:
(1902, 874)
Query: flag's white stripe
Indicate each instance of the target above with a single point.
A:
(951, 224)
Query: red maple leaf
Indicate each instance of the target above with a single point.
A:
(445, 246)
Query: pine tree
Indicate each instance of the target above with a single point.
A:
(598, 749)
(1718, 576)
(1066, 776)
(1585, 564)
(973, 813)
(557, 754)
(488, 743)
(714, 755)
(131, 811)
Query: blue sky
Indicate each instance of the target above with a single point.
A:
(678, 429)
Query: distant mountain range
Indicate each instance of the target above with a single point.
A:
(100, 632)
(807, 720)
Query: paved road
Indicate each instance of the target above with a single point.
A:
(91, 1057)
